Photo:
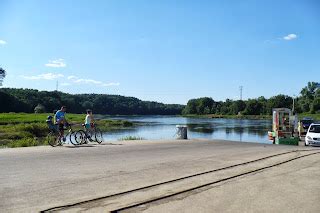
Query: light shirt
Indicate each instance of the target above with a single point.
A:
(88, 119)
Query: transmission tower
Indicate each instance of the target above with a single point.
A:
(57, 85)
(241, 89)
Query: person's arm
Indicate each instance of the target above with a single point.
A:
(56, 117)
(65, 119)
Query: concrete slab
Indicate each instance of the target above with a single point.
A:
(36, 178)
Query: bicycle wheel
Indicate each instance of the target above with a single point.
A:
(53, 139)
(80, 137)
(73, 138)
(98, 136)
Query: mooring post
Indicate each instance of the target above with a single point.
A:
(182, 132)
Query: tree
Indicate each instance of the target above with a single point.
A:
(87, 105)
(253, 107)
(191, 107)
(315, 107)
(279, 101)
(26, 100)
(310, 90)
(2, 75)
(204, 105)
(39, 109)
(237, 106)
(309, 94)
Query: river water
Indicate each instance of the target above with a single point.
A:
(164, 127)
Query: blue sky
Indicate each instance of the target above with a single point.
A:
(167, 51)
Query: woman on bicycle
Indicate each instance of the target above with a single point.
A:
(89, 122)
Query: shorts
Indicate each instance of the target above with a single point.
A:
(89, 126)
(61, 127)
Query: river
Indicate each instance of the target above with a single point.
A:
(164, 127)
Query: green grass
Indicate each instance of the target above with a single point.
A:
(23, 129)
(130, 138)
(314, 116)
(16, 118)
(26, 142)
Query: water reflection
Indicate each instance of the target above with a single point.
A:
(253, 130)
(201, 128)
(163, 127)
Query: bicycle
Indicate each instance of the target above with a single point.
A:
(54, 137)
(87, 135)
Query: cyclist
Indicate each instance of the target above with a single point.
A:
(89, 122)
(61, 121)
(50, 124)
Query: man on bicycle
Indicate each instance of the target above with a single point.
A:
(60, 120)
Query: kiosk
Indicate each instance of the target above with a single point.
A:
(284, 127)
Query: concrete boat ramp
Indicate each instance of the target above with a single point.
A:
(161, 176)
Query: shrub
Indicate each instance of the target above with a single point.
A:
(39, 109)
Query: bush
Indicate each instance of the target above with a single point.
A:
(25, 142)
(37, 130)
(39, 109)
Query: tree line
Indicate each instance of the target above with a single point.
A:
(307, 102)
(30, 100)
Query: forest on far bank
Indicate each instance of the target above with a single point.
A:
(30, 100)
(307, 102)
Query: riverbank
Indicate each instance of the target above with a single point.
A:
(251, 117)
(29, 129)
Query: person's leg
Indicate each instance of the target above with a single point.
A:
(61, 129)
(88, 127)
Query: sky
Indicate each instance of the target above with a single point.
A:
(162, 50)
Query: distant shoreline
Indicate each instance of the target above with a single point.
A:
(251, 117)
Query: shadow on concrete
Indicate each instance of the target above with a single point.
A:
(115, 144)
(93, 145)
(80, 146)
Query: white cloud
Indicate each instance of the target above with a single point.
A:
(290, 37)
(72, 77)
(87, 81)
(45, 76)
(56, 63)
(2, 42)
(77, 80)
(65, 84)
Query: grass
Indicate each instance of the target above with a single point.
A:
(314, 116)
(130, 138)
(17, 118)
(27, 129)
(26, 142)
